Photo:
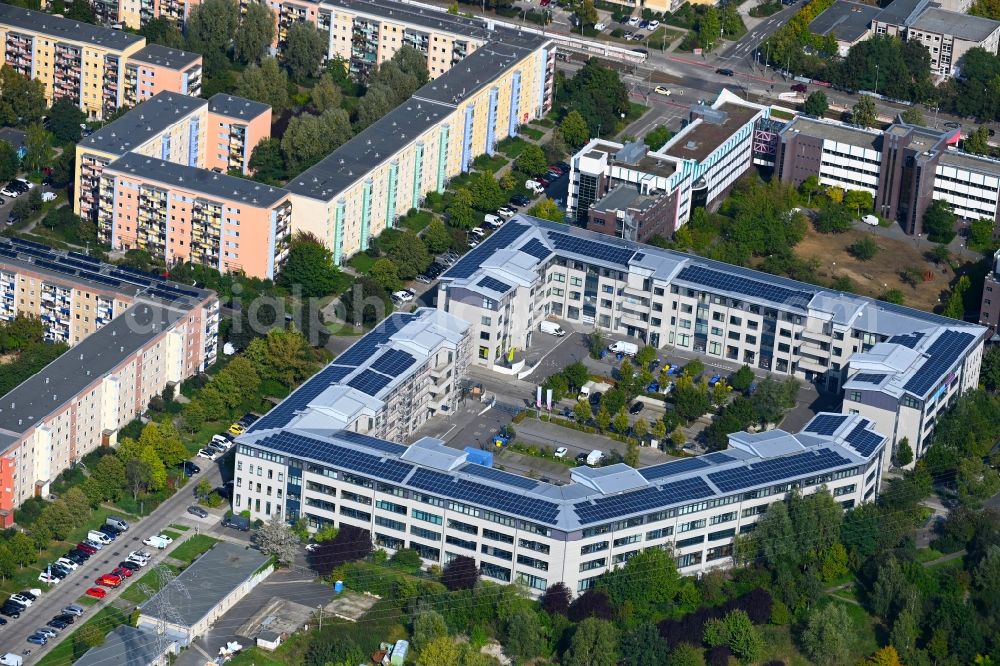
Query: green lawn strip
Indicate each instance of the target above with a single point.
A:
(172, 535)
(361, 262)
(86, 600)
(188, 551)
(928, 555)
(105, 619)
(179, 528)
(148, 584)
(532, 133)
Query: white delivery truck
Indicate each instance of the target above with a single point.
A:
(551, 328)
(627, 348)
(594, 457)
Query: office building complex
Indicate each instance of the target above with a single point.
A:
(432, 499)
(365, 185)
(904, 168)
(532, 269)
(98, 69)
(634, 192)
(133, 334)
(183, 213)
(385, 385)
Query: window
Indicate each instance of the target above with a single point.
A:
(624, 541)
(855, 396)
(382, 521)
(721, 534)
(486, 321)
(462, 527)
(426, 517)
(593, 564)
(684, 543)
(594, 547)
(497, 536)
(424, 534)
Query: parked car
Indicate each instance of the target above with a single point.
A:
(141, 555)
(73, 609)
(248, 419)
(208, 453)
(636, 407)
(122, 572)
(38, 639)
(128, 564)
(240, 523)
(12, 610)
(581, 459)
(21, 599)
(96, 545)
(237, 429)
(65, 617)
(189, 468)
(197, 511)
(520, 200)
(96, 592)
(58, 624)
(725, 71)
(634, 21)
(47, 631)
(506, 212)
(78, 555)
(799, 87)
(156, 542)
(109, 580)
(561, 452)
(49, 578)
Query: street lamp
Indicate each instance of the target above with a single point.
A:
(876, 78)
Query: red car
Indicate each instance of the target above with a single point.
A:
(799, 87)
(122, 572)
(96, 592)
(555, 169)
(543, 182)
(109, 580)
(87, 548)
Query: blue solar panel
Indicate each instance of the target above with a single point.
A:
(641, 501)
(468, 264)
(639, 256)
(869, 377)
(281, 414)
(825, 424)
(369, 382)
(8, 253)
(777, 469)
(393, 362)
(495, 285)
(908, 340)
(672, 468)
(485, 495)
(601, 251)
(537, 249)
(943, 353)
(864, 441)
(737, 284)
(365, 348)
(498, 476)
(28, 243)
(85, 257)
(719, 458)
(372, 442)
(375, 467)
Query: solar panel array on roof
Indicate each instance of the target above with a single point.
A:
(364, 348)
(498, 476)
(741, 285)
(502, 238)
(485, 495)
(943, 353)
(372, 442)
(777, 469)
(393, 362)
(588, 248)
(494, 284)
(537, 249)
(907, 340)
(374, 467)
(825, 424)
(672, 468)
(639, 256)
(280, 415)
(369, 382)
(864, 441)
(719, 457)
(639, 501)
(870, 377)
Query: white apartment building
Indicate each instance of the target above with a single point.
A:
(430, 498)
(531, 270)
(385, 385)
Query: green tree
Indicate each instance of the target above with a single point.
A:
(532, 160)
(690, 398)
(586, 14)
(428, 625)
(742, 378)
(379, 100)
(816, 104)
(8, 565)
(977, 142)
(525, 636)
(460, 210)
(385, 273)
(939, 222)
(22, 100)
(82, 12)
(110, 474)
(657, 137)
(162, 31)
(65, 119)
(912, 116)
(864, 112)
(193, 416)
(904, 454)
(833, 219)
(602, 420)
(644, 646)
(266, 83)
(864, 249)
(648, 581)
(989, 373)
(22, 549)
(326, 94)
(406, 250)
(894, 296)
(304, 49)
(309, 138)
(38, 148)
(980, 235)
(620, 422)
(547, 209)
(165, 440)
(709, 28)
(268, 162)
(436, 237)
(594, 643)
(255, 34)
(686, 654)
(309, 267)
(976, 482)
(858, 201)
(574, 129)
(211, 26)
(487, 194)
(442, 651)
(10, 163)
(581, 411)
(827, 636)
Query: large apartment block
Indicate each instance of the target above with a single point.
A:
(365, 185)
(135, 14)
(635, 192)
(184, 213)
(98, 69)
(133, 334)
(235, 127)
(531, 269)
(433, 499)
(905, 168)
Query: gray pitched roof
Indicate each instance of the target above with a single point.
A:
(123, 646)
(66, 30)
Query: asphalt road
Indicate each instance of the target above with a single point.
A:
(13, 636)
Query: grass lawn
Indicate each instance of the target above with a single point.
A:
(493, 163)
(928, 554)
(172, 535)
(255, 657)
(635, 111)
(105, 619)
(512, 148)
(86, 601)
(416, 222)
(781, 115)
(180, 528)
(193, 547)
(532, 133)
(543, 122)
(361, 262)
(150, 581)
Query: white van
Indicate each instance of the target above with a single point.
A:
(551, 328)
(627, 348)
(870, 220)
(594, 457)
(534, 186)
(117, 523)
(99, 537)
(494, 221)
